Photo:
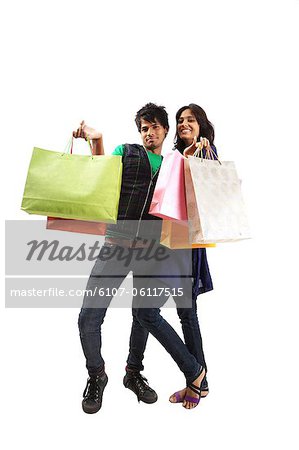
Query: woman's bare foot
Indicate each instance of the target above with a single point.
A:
(187, 403)
(178, 397)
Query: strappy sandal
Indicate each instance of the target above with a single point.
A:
(179, 398)
(195, 389)
(204, 387)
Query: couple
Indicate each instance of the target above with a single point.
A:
(141, 165)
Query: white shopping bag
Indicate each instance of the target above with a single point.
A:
(216, 210)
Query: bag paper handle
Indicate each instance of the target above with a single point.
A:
(69, 146)
(210, 153)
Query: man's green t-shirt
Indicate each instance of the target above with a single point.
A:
(155, 160)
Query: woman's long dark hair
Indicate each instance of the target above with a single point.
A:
(206, 128)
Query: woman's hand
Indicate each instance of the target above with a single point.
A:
(204, 142)
(191, 149)
(87, 132)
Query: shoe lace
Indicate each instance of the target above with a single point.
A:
(141, 382)
(91, 390)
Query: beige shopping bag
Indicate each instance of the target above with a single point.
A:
(175, 235)
(216, 210)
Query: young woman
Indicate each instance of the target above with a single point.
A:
(194, 130)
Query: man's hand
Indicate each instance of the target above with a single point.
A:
(96, 138)
(87, 132)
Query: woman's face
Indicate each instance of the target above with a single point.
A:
(188, 127)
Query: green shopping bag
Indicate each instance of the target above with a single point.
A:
(73, 186)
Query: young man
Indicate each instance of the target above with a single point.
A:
(124, 250)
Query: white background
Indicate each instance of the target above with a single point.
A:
(67, 61)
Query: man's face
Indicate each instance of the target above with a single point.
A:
(152, 135)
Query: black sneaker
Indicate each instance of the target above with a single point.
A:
(139, 385)
(93, 393)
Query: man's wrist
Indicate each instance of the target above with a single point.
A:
(99, 138)
(97, 146)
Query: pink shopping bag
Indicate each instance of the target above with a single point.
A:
(76, 226)
(169, 200)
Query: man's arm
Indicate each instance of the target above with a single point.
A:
(97, 146)
(96, 138)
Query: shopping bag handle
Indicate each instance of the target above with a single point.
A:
(69, 145)
(209, 152)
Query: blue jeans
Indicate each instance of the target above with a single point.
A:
(191, 331)
(108, 273)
